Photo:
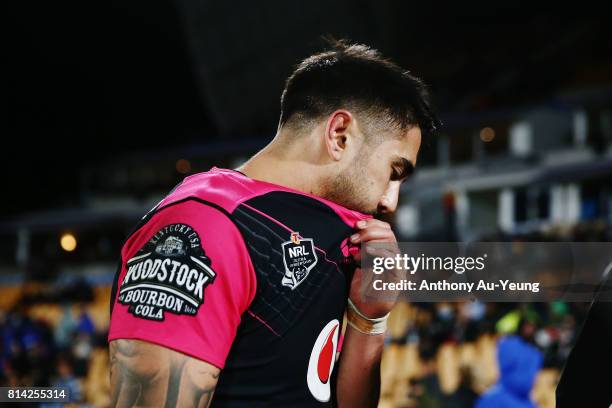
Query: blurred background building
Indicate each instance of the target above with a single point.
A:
(111, 104)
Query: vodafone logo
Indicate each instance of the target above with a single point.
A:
(322, 359)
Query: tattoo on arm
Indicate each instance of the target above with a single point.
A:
(145, 374)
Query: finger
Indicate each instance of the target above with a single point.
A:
(374, 233)
(371, 222)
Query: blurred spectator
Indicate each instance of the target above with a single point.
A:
(83, 341)
(81, 349)
(464, 396)
(48, 339)
(427, 390)
(65, 328)
(66, 378)
(519, 363)
(84, 322)
(470, 317)
(26, 350)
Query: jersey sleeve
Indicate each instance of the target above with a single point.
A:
(185, 280)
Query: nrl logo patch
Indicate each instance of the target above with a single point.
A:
(167, 275)
(299, 257)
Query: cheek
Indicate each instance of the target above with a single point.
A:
(375, 184)
(377, 177)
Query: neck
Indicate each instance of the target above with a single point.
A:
(286, 164)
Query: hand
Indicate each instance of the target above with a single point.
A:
(372, 230)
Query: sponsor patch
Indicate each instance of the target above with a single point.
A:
(299, 257)
(322, 360)
(168, 275)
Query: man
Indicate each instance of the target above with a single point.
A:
(237, 282)
(585, 380)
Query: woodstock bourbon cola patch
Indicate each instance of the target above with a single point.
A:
(168, 275)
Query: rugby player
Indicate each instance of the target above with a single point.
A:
(231, 292)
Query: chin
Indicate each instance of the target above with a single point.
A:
(361, 208)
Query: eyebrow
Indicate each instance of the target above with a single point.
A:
(404, 168)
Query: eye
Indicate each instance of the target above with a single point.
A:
(396, 174)
(401, 169)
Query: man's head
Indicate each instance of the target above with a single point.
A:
(365, 115)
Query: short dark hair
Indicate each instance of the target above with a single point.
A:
(355, 76)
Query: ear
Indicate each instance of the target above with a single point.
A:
(337, 133)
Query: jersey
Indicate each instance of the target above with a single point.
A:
(246, 275)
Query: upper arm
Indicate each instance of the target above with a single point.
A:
(185, 281)
(145, 374)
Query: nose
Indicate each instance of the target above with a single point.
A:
(388, 201)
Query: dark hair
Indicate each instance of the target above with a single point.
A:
(354, 76)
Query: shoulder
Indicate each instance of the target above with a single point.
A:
(219, 188)
(226, 190)
(201, 204)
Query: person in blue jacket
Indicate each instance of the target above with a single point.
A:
(519, 363)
